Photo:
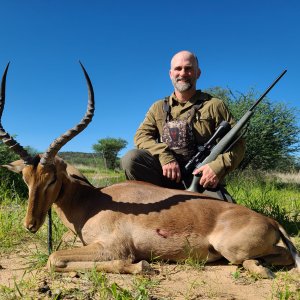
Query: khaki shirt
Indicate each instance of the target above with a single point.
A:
(205, 123)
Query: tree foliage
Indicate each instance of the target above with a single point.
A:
(272, 136)
(109, 148)
(10, 182)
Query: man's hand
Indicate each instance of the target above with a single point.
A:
(172, 170)
(209, 178)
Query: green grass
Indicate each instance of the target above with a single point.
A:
(93, 285)
(12, 211)
(101, 177)
(265, 195)
(103, 289)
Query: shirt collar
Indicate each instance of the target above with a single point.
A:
(174, 101)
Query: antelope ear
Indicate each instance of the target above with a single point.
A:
(16, 166)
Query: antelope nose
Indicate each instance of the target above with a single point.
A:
(31, 227)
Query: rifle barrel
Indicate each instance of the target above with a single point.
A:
(229, 137)
(267, 91)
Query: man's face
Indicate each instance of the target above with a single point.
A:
(184, 72)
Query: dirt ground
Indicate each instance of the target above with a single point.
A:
(218, 281)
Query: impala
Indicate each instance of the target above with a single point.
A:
(124, 225)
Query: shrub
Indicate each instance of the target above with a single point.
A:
(11, 183)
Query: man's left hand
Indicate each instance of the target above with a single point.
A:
(209, 178)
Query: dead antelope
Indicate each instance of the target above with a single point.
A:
(124, 225)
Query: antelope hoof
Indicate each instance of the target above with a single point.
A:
(143, 267)
(253, 266)
(54, 262)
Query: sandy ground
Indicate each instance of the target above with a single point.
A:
(219, 281)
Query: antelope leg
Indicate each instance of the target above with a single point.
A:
(112, 266)
(253, 266)
(94, 257)
(280, 257)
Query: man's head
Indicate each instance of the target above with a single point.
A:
(184, 71)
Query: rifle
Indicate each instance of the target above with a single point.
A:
(211, 151)
(204, 151)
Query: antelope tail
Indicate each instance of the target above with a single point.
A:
(287, 241)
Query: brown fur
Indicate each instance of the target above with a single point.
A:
(135, 221)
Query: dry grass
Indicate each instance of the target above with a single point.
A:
(287, 177)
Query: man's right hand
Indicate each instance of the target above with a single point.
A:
(172, 170)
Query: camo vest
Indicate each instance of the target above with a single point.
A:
(178, 133)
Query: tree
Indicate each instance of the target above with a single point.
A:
(10, 182)
(273, 135)
(109, 148)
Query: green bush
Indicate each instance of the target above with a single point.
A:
(273, 135)
(263, 194)
(109, 148)
(11, 183)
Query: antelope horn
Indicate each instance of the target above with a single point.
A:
(57, 144)
(4, 136)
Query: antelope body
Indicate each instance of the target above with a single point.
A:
(124, 225)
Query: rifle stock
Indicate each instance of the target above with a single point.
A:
(229, 137)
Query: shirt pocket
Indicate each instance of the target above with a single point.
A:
(204, 127)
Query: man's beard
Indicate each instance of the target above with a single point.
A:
(182, 85)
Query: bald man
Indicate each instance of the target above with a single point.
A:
(174, 128)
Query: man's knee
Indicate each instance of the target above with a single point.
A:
(139, 164)
(219, 193)
(129, 158)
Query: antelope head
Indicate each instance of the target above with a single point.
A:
(44, 173)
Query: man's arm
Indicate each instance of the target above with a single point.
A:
(147, 136)
(213, 172)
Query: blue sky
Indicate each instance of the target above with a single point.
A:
(126, 47)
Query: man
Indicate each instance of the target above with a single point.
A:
(173, 129)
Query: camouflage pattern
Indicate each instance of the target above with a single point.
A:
(177, 134)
